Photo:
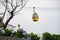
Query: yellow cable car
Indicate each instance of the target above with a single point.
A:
(35, 15)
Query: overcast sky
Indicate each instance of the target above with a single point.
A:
(49, 17)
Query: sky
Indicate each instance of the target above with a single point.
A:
(49, 17)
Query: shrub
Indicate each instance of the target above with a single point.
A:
(7, 32)
(0, 33)
(48, 36)
(33, 36)
(55, 37)
(18, 34)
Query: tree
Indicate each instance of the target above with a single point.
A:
(12, 7)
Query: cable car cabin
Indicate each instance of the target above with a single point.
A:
(35, 17)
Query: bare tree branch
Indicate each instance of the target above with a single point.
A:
(1, 13)
(3, 2)
(9, 5)
(4, 14)
(12, 3)
(20, 9)
(16, 14)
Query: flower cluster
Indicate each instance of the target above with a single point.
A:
(20, 33)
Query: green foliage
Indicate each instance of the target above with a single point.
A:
(56, 37)
(18, 34)
(7, 32)
(33, 36)
(0, 33)
(48, 36)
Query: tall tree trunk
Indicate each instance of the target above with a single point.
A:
(8, 20)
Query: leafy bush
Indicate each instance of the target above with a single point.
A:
(55, 37)
(0, 33)
(48, 36)
(33, 36)
(20, 33)
(7, 32)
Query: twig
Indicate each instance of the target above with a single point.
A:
(20, 9)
